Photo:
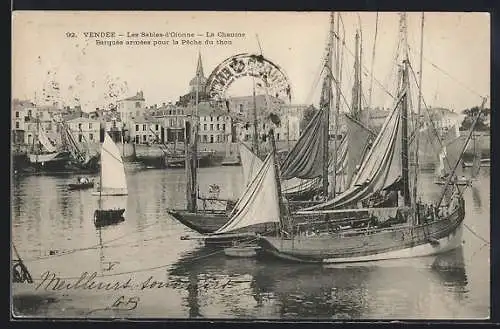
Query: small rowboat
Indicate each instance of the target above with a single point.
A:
(459, 182)
(242, 251)
(81, 186)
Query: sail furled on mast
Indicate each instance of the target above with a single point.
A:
(359, 139)
(259, 203)
(305, 160)
(380, 169)
(113, 179)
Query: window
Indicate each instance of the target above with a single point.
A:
(211, 138)
(17, 124)
(218, 126)
(137, 139)
(80, 138)
(218, 118)
(91, 137)
(278, 136)
(144, 138)
(224, 126)
(90, 125)
(17, 114)
(211, 118)
(29, 113)
(205, 139)
(241, 108)
(137, 105)
(136, 127)
(144, 129)
(79, 126)
(156, 127)
(205, 126)
(218, 138)
(211, 127)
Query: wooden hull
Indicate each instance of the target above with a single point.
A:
(202, 221)
(83, 186)
(372, 245)
(104, 217)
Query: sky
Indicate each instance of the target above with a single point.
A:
(456, 52)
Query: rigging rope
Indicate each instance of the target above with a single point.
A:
(449, 75)
(154, 267)
(95, 246)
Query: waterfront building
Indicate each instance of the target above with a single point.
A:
(172, 119)
(85, 129)
(214, 124)
(146, 130)
(131, 107)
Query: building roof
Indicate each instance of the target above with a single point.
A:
(205, 109)
(138, 97)
(82, 119)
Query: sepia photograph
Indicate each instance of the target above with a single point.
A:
(250, 165)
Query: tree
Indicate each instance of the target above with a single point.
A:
(307, 117)
(470, 115)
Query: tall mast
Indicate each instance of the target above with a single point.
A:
(277, 174)
(417, 141)
(194, 166)
(404, 114)
(373, 61)
(357, 81)
(337, 104)
(100, 173)
(255, 123)
(327, 93)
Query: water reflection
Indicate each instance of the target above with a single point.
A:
(390, 289)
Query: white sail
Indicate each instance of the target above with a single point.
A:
(250, 163)
(259, 203)
(113, 180)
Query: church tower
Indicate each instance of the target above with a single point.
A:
(199, 81)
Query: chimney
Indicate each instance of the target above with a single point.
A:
(163, 104)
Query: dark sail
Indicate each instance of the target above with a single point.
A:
(359, 139)
(305, 160)
(380, 169)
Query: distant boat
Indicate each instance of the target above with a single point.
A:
(112, 184)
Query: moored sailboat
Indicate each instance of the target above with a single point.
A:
(353, 234)
(112, 189)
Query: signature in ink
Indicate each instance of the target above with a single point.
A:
(122, 303)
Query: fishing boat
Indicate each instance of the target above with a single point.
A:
(305, 167)
(338, 232)
(244, 251)
(112, 189)
(81, 184)
(257, 210)
(48, 157)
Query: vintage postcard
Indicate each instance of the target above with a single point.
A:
(250, 165)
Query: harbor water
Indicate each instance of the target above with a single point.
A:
(146, 270)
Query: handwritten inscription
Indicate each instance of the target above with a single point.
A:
(90, 281)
